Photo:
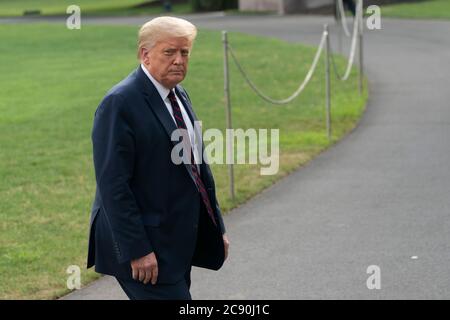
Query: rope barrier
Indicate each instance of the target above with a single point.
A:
(340, 5)
(352, 47)
(324, 44)
(297, 92)
(312, 69)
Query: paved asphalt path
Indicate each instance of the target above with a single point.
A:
(379, 197)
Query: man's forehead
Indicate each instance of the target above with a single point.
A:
(174, 43)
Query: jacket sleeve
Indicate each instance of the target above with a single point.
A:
(114, 155)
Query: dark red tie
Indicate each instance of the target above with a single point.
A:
(182, 125)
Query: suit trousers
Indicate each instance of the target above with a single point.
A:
(136, 290)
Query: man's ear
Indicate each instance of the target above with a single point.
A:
(144, 55)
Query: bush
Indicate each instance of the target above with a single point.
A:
(213, 5)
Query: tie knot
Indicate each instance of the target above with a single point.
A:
(171, 96)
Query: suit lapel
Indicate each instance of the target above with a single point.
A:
(158, 107)
(190, 111)
(186, 104)
(204, 167)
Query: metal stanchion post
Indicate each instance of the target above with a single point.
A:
(327, 81)
(229, 135)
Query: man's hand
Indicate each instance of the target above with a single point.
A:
(145, 269)
(226, 244)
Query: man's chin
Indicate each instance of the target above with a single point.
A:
(173, 81)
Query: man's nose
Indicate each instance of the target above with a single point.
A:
(178, 58)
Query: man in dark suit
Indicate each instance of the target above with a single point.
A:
(153, 217)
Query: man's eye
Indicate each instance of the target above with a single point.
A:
(185, 53)
(168, 52)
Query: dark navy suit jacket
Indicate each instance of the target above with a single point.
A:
(144, 202)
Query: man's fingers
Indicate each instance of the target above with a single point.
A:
(141, 274)
(151, 275)
(154, 274)
(135, 273)
(148, 276)
(145, 269)
(226, 244)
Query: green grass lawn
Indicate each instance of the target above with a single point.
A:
(52, 80)
(429, 9)
(88, 7)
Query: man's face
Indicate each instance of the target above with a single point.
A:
(167, 61)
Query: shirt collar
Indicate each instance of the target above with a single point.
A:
(163, 91)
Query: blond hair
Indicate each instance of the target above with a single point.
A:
(165, 27)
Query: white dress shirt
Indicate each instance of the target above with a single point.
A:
(164, 93)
